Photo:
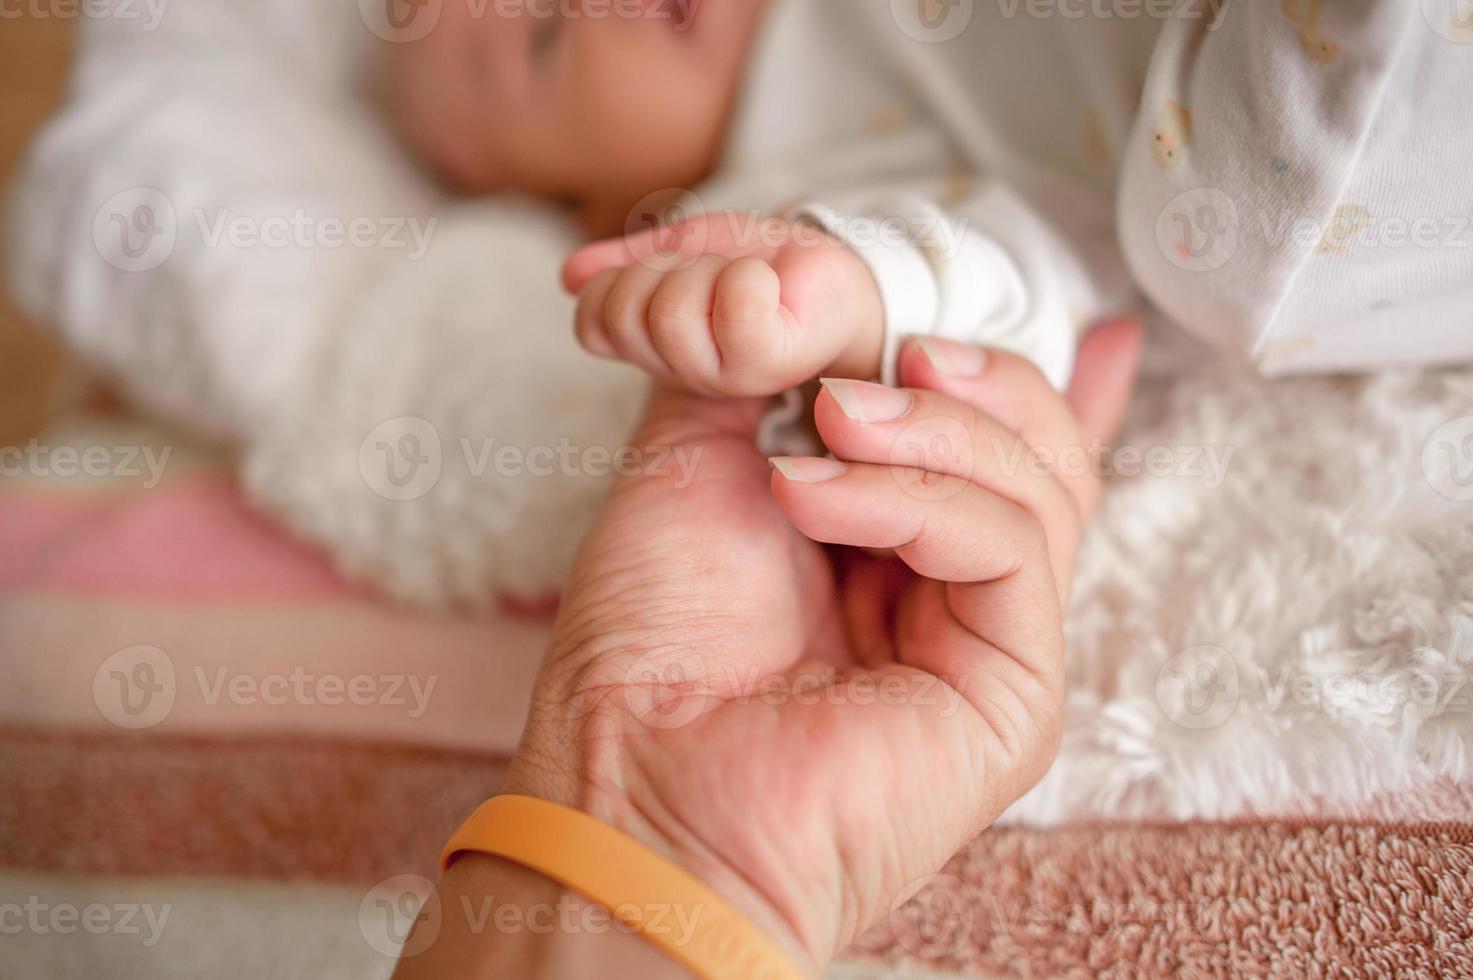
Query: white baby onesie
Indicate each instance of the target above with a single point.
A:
(1293, 185)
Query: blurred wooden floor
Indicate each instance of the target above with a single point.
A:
(33, 59)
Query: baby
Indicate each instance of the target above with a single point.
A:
(991, 173)
(605, 111)
(614, 109)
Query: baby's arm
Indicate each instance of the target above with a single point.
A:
(734, 304)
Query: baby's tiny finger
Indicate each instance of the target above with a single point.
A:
(626, 317)
(592, 260)
(588, 320)
(680, 320)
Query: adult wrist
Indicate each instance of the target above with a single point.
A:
(495, 918)
(640, 817)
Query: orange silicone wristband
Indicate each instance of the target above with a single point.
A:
(635, 884)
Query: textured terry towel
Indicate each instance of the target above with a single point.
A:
(152, 598)
(1287, 898)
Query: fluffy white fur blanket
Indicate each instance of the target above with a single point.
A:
(1279, 617)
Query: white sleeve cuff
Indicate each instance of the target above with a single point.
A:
(939, 277)
(909, 293)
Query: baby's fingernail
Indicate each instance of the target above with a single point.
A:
(598, 345)
(950, 357)
(807, 469)
(864, 401)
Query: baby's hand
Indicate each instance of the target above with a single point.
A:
(721, 306)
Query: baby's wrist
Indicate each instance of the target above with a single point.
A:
(854, 285)
(861, 358)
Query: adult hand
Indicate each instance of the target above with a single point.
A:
(809, 729)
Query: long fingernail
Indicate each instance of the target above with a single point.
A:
(807, 469)
(864, 401)
(950, 357)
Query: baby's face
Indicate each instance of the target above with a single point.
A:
(594, 102)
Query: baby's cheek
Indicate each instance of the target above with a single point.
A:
(430, 103)
(654, 136)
